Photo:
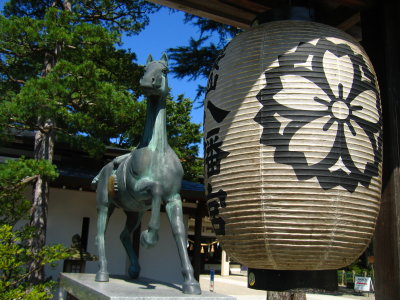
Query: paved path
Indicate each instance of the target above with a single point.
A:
(236, 285)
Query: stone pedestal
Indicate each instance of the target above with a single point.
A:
(83, 287)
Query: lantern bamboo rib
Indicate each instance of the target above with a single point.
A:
(321, 232)
(301, 215)
(291, 243)
(242, 200)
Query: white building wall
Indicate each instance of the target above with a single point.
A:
(67, 208)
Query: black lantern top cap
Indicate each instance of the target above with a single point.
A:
(294, 10)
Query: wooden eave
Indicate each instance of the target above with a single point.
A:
(344, 14)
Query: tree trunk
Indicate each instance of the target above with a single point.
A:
(43, 149)
(44, 144)
(286, 296)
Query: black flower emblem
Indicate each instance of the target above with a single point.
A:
(318, 115)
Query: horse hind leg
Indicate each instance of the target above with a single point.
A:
(175, 216)
(104, 211)
(131, 224)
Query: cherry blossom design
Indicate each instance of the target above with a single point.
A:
(318, 115)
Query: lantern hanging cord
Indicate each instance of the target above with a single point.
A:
(204, 244)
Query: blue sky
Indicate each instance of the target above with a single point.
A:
(166, 30)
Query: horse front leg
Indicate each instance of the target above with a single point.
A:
(175, 216)
(132, 222)
(149, 237)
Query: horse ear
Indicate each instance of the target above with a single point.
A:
(164, 57)
(149, 59)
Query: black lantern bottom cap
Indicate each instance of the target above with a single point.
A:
(284, 280)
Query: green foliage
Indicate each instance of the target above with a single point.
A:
(184, 136)
(359, 267)
(15, 253)
(14, 175)
(14, 257)
(195, 60)
(207, 26)
(128, 16)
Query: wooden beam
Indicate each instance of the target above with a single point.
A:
(213, 10)
(358, 4)
(350, 22)
(241, 13)
(381, 40)
(339, 16)
(355, 32)
(255, 7)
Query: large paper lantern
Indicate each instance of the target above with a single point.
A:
(293, 147)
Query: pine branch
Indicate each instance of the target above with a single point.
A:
(28, 179)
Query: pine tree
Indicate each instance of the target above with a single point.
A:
(196, 60)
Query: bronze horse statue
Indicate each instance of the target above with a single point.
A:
(147, 177)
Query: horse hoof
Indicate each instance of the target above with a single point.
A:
(192, 288)
(134, 272)
(102, 277)
(148, 240)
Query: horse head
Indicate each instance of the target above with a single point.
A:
(154, 81)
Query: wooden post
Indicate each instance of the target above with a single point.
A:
(343, 273)
(224, 264)
(381, 39)
(197, 240)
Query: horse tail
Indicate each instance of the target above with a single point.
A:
(95, 180)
